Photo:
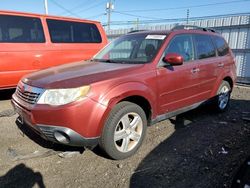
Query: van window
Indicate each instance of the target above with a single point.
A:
(73, 32)
(182, 45)
(221, 45)
(204, 46)
(20, 29)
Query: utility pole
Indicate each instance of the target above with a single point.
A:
(46, 6)
(137, 23)
(109, 8)
(187, 16)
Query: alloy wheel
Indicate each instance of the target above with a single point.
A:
(128, 132)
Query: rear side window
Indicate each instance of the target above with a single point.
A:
(20, 29)
(221, 45)
(73, 32)
(204, 46)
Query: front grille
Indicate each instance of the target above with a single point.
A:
(28, 93)
(27, 96)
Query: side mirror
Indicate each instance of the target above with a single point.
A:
(173, 59)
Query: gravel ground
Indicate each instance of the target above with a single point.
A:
(197, 149)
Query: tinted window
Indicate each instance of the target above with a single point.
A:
(221, 46)
(182, 45)
(73, 32)
(204, 46)
(20, 29)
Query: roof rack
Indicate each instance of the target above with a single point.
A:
(190, 27)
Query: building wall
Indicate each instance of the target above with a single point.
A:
(234, 28)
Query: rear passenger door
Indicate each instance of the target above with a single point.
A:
(178, 86)
(224, 59)
(207, 60)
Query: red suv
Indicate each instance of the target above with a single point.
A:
(138, 79)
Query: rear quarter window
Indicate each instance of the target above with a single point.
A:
(21, 29)
(221, 45)
(73, 32)
(204, 46)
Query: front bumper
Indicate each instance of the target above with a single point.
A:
(77, 124)
(61, 135)
(65, 136)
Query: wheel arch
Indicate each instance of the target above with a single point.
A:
(142, 102)
(218, 83)
(131, 91)
(229, 80)
(135, 92)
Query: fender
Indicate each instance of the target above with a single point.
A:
(219, 79)
(120, 92)
(124, 90)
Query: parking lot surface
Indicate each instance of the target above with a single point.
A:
(197, 149)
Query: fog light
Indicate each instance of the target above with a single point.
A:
(61, 137)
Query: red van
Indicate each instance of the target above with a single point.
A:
(30, 42)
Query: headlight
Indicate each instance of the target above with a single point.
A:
(63, 96)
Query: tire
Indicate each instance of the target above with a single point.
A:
(222, 98)
(124, 130)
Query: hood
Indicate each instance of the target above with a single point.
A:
(77, 74)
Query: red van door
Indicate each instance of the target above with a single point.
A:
(22, 40)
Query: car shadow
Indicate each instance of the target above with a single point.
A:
(242, 177)
(202, 152)
(6, 94)
(22, 176)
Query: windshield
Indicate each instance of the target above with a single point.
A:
(134, 49)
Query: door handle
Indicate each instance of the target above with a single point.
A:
(195, 70)
(220, 65)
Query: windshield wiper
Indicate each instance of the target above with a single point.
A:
(105, 60)
(112, 61)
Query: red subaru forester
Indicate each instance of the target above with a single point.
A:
(138, 79)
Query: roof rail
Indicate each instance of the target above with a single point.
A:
(190, 27)
(134, 31)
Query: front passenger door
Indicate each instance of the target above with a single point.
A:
(178, 85)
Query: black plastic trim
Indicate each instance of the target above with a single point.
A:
(175, 113)
(75, 139)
